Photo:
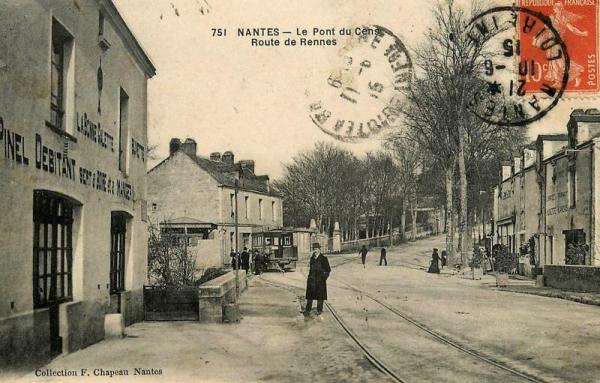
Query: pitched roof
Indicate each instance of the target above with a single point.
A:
(225, 174)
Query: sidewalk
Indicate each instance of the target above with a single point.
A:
(272, 343)
(585, 298)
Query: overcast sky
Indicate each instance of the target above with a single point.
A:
(254, 101)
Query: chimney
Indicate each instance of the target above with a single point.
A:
(174, 145)
(247, 164)
(228, 158)
(517, 164)
(189, 147)
(506, 170)
(215, 156)
(583, 126)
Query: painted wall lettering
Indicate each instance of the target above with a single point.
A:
(53, 161)
(14, 145)
(94, 132)
(138, 150)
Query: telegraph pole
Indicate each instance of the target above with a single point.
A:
(237, 254)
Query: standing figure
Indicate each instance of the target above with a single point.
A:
(444, 258)
(382, 258)
(363, 254)
(435, 259)
(245, 259)
(316, 284)
(234, 260)
(257, 262)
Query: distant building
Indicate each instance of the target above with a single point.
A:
(194, 197)
(551, 203)
(73, 175)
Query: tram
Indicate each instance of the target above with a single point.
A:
(277, 247)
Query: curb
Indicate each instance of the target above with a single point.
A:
(558, 295)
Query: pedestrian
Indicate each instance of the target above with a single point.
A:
(316, 283)
(257, 262)
(435, 259)
(444, 259)
(382, 258)
(245, 260)
(363, 254)
(234, 260)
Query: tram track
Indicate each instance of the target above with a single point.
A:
(378, 363)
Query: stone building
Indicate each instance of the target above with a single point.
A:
(547, 199)
(194, 197)
(73, 169)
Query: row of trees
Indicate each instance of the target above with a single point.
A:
(330, 184)
(440, 154)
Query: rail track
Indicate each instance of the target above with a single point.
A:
(378, 363)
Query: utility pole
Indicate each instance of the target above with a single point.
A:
(237, 254)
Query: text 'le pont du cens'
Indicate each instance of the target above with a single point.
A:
(315, 36)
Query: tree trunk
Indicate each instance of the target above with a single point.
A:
(450, 215)
(414, 220)
(463, 219)
(403, 219)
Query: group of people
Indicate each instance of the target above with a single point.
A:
(382, 257)
(434, 266)
(246, 261)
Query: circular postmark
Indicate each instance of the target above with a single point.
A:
(364, 94)
(524, 67)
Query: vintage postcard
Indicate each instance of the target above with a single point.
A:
(299, 191)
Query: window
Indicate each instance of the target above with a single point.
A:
(100, 24)
(246, 207)
(59, 60)
(123, 130)
(231, 204)
(273, 211)
(118, 232)
(260, 209)
(52, 249)
(286, 240)
(154, 207)
(572, 187)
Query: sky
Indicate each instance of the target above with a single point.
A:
(254, 101)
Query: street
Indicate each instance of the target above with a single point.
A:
(451, 330)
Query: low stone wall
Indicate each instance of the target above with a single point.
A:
(573, 278)
(214, 294)
(132, 306)
(24, 341)
(81, 324)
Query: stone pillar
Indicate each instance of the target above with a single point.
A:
(337, 238)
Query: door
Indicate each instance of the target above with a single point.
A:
(118, 232)
(52, 258)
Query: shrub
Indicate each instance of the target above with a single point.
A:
(478, 258)
(504, 261)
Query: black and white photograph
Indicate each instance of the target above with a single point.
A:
(299, 191)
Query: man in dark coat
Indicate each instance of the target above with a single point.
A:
(257, 262)
(363, 254)
(234, 260)
(245, 260)
(382, 258)
(316, 284)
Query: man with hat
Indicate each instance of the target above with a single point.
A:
(316, 284)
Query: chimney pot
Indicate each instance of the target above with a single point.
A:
(215, 156)
(174, 145)
(189, 147)
(228, 158)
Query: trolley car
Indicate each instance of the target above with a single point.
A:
(277, 247)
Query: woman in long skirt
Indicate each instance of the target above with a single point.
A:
(435, 263)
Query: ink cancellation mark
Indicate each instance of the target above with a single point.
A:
(515, 43)
(364, 96)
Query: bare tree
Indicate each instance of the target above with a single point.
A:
(170, 262)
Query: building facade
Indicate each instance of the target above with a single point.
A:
(72, 164)
(195, 197)
(550, 204)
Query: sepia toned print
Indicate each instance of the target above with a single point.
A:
(311, 191)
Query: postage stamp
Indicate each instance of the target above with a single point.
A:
(363, 96)
(515, 43)
(576, 21)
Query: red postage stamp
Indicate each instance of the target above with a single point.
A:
(576, 21)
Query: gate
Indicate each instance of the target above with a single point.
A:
(170, 304)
